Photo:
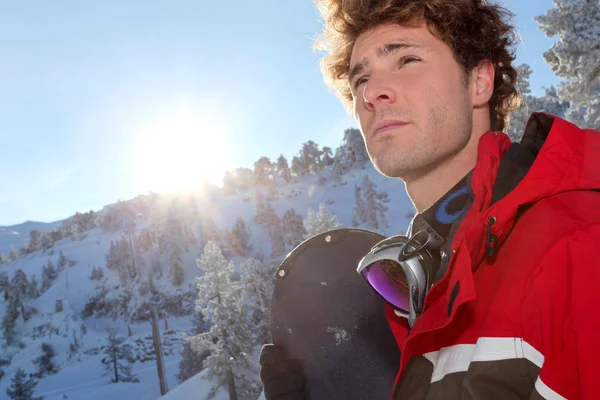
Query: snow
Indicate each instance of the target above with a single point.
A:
(81, 376)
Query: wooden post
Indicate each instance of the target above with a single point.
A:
(160, 365)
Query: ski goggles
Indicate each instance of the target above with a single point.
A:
(401, 269)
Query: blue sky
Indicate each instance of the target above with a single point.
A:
(91, 94)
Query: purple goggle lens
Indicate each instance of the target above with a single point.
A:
(388, 279)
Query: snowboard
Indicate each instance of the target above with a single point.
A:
(324, 314)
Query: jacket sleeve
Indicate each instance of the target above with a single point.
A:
(561, 318)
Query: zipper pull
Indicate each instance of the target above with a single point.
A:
(491, 241)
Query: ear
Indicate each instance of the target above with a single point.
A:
(482, 83)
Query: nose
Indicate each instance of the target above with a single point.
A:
(377, 93)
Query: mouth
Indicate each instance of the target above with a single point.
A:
(387, 125)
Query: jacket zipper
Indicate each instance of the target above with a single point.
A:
(491, 241)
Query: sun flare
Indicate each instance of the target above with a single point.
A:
(180, 151)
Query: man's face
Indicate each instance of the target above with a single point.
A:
(411, 100)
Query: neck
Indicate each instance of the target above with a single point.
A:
(426, 189)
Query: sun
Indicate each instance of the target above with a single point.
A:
(180, 150)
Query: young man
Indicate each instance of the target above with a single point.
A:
(511, 312)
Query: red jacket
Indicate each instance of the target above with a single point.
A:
(523, 323)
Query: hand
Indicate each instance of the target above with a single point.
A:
(281, 377)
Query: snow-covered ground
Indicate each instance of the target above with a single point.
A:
(81, 375)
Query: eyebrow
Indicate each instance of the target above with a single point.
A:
(384, 51)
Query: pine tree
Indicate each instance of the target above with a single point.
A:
(341, 164)
(62, 260)
(174, 231)
(257, 285)
(370, 208)
(550, 103)
(3, 259)
(239, 237)
(262, 171)
(575, 56)
(21, 388)
(519, 117)
(310, 155)
(327, 158)
(19, 292)
(45, 362)
(355, 147)
(9, 323)
(283, 169)
(117, 359)
(228, 340)
(293, 227)
(176, 271)
(12, 254)
(320, 222)
(298, 168)
(191, 361)
(4, 282)
(35, 241)
(97, 273)
(33, 292)
(48, 275)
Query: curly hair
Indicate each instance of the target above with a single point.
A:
(475, 30)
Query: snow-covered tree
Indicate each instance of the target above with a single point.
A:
(117, 359)
(120, 259)
(319, 222)
(22, 388)
(35, 241)
(327, 158)
(271, 221)
(3, 259)
(48, 275)
(174, 231)
(355, 147)
(4, 282)
(9, 323)
(298, 168)
(575, 56)
(257, 285)
(12, 254)
(263, 171)
(519, 117)
(283, 169)
(266, 216)
(176, 272)
(45, 362)
(293, 228)
(239, 237)
(97, 273)
(191, 361)
(229, 339)
(370, 206)
(33, 292)
(19, 291)
(62, 260)
(310, 155)
(550, 103)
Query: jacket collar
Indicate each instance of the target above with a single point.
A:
(554, 156)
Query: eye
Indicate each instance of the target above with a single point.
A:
(406, 60)
(359, 82)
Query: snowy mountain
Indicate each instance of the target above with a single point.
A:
(17, 234)
(73, 304)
